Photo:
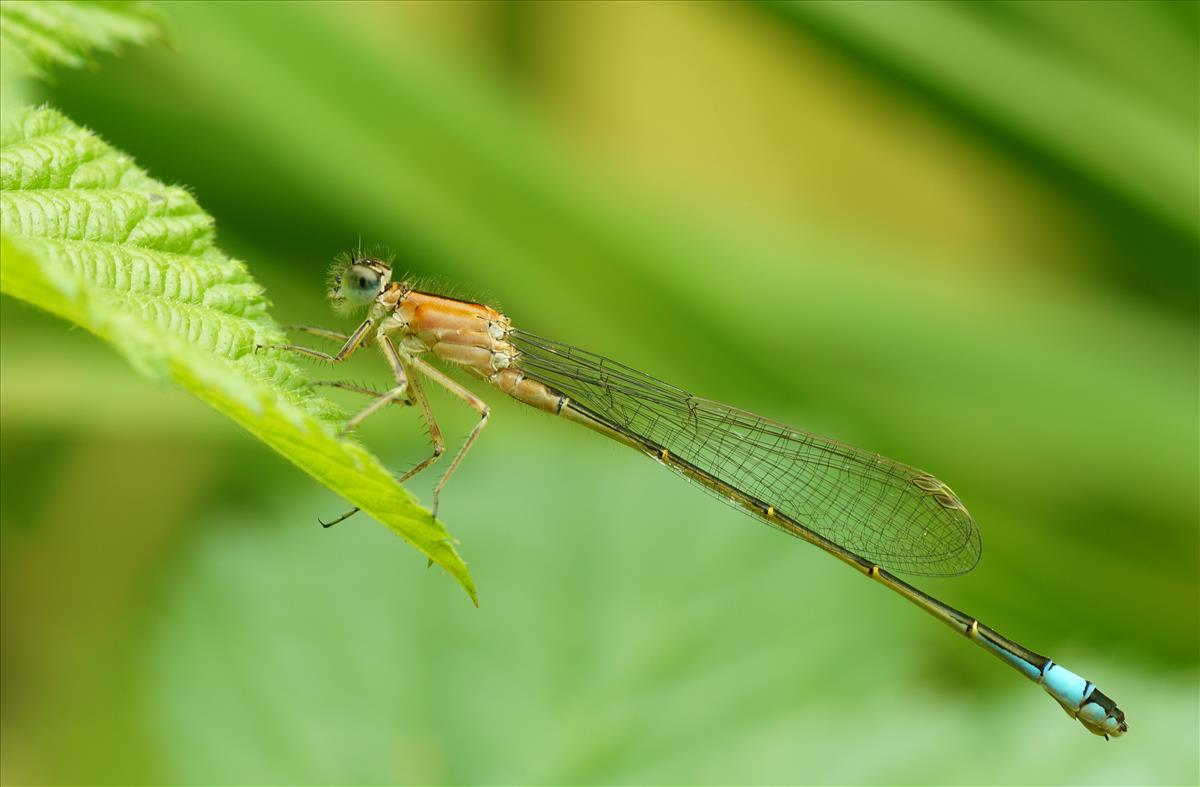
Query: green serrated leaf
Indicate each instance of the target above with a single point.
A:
(38, 34)
(91, 238)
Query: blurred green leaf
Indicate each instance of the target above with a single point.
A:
(38, 34)
(1063, 88)
(738, 661)
(90, 237)
(1021, 82)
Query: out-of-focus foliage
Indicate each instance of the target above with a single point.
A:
(38, 35)
(849, 223)
(1030, 77)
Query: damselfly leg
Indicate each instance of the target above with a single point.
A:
(351, 344)
(324, 333)
(406, 391)
(347, 385)
(473, 401)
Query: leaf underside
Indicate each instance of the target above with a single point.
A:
(90, 237)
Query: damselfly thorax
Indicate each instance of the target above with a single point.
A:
(470, 335)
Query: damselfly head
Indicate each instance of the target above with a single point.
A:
(356, 280)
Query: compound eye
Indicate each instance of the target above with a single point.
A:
(360, 283)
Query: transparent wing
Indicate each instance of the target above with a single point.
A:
(890, 513)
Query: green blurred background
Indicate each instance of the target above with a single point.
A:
(963, 235)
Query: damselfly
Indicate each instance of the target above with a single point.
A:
(866, 510)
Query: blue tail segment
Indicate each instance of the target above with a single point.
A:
(1078, 696)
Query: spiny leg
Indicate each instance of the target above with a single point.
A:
(472, 401)
(435, 432)
(324, 333)
(346, 385)
(352, 343)
(416, 395)
(341, 518)
(398, 393)
(410, 388)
